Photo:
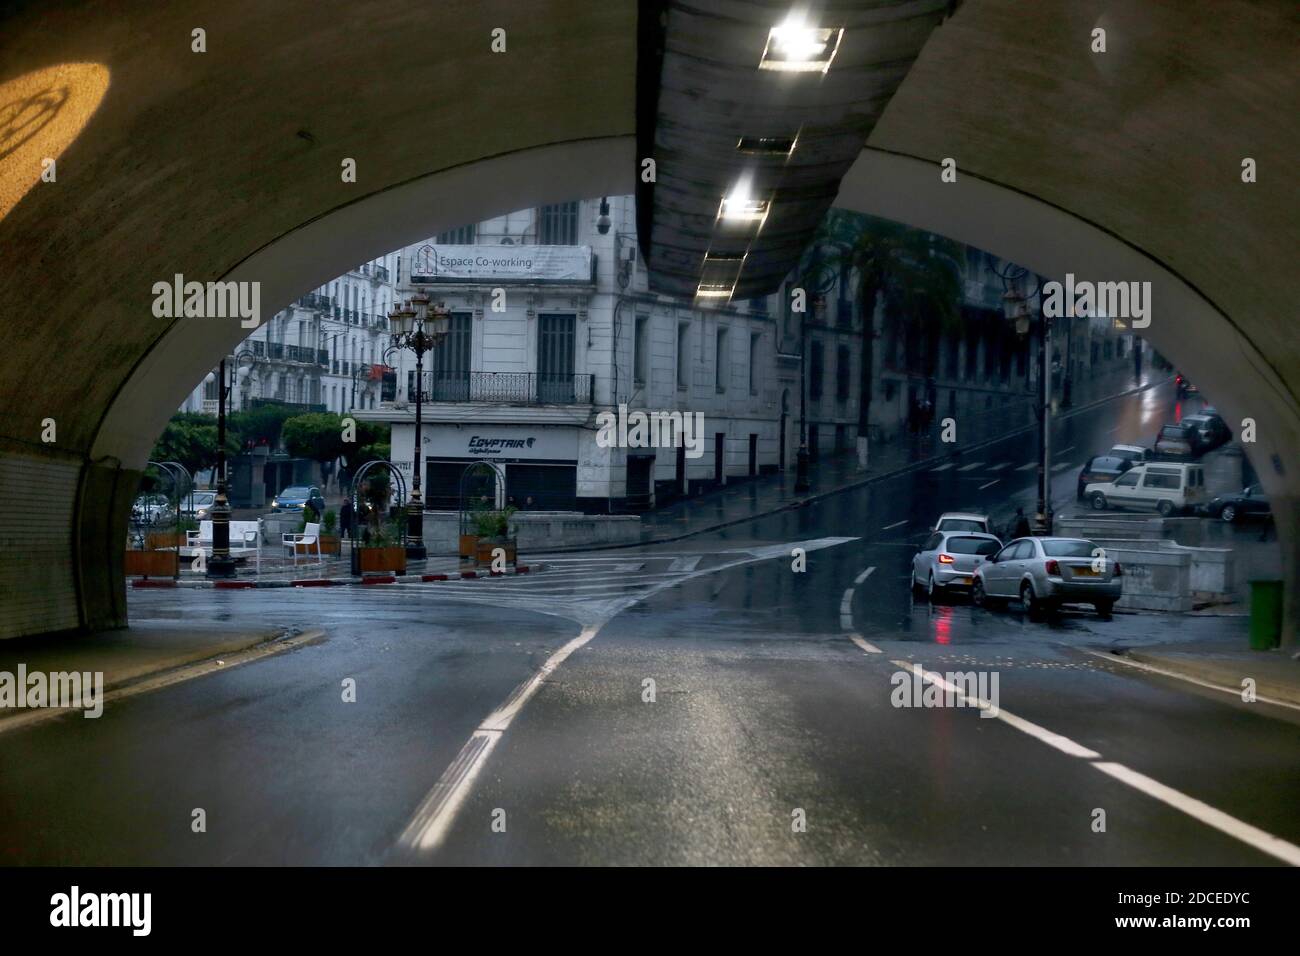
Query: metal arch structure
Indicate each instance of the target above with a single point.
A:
(356, 501)
(498, 473)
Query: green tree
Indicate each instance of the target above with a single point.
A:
(262, 424)
(317, 435)
(191, 439)
(912, 272)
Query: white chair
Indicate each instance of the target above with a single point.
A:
(201, 538)
(310, 538)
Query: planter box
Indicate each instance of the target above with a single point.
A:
(485, 546)
(382, 559)
(157, 564)
(329, 544)
(468, 545)
(160, 540)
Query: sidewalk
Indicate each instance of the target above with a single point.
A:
(758, 497)
(1225, 664)
(127, 657)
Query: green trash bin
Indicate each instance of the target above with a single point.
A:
(1265, 615)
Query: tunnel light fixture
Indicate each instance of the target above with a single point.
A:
(795, 47)
(740, 207)
(766, 145)
(719, 275)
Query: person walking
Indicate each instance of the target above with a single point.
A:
(345, 518)
(1020, 528)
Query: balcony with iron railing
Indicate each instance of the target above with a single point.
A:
(313, 300)
(276, 352)
(508, 388)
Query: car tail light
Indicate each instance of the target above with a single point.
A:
(1115, 569)
(1053, 568)
(945, 559)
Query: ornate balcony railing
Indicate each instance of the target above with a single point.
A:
(508, 388)
(276, 352)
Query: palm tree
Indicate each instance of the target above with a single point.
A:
(913, 272)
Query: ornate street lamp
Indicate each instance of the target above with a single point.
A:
(420, 327)
(221, 564)
(1015, 305)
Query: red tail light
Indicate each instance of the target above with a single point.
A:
(945, 559)
(1053, 568)
(1115, 569)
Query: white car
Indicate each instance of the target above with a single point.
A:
(947, 561)
(962, 521)
(1164, 486)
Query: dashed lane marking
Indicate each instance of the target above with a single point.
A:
(989, 484)
(972, 466)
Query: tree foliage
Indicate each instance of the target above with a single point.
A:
(191, 439)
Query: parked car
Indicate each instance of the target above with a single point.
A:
(1211, 431)
(1250, 502)
(962, 521)
(1184, 387)
(1176, 441)
(1045, 573)
(150, 509)
(198, 505)
(1134, 454)
(1101, 468)
(295, 497)
(947, 561)
(1168, 487)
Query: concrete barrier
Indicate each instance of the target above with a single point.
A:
(539, 531)
(1131, 527)
(1154, 579)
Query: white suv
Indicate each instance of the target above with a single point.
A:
(1166, 486)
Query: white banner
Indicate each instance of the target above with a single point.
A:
(539, 443)
(438, 263)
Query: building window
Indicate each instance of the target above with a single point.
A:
(683, 354)
(754, 340)
(721, 367)
(815, 372)
(464, 236)
(558, 224)
(842, 373)
(641, 350)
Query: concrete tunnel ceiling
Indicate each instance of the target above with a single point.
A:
(227, 163)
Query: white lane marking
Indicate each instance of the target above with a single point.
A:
(684, 564)
(1000, 465)
(1234, 691)
(1065, 451)
(896, 524)
(971, 467)
(941, 468)
(1062, 466)
(625, 568)
(867, 646)
(846, 610)
(1027, 467)
(1196, 809)
(1250, 835)
(432, 819)
(864, 575)
(989, 484)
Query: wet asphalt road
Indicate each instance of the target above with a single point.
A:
(764, 712)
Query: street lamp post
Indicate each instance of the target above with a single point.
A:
(420, 327)
(801, 484)
(1015, 304)
(221, 564)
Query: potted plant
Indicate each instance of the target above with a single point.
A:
(492, 529)
(329, 538)
(381, 549)
(158, 540)
(145, 564)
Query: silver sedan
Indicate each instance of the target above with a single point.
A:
(947, 561)
(1044, 573)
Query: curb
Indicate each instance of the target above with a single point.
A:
(1223, 675)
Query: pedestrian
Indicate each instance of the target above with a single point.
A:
(345, 518)
(1021, 527)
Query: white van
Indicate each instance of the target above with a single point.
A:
(1166, 486)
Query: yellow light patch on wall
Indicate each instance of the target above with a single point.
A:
(41, 113)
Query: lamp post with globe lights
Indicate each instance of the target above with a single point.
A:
(420, 327)
(221, 564)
